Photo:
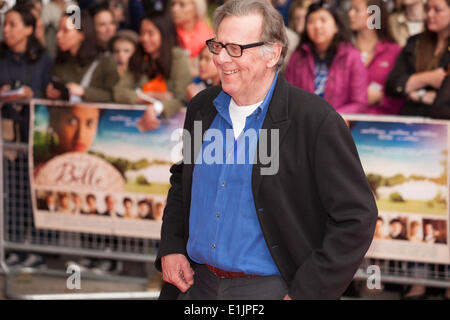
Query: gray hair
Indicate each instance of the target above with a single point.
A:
(273, 29)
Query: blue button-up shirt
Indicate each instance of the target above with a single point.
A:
(224, 230)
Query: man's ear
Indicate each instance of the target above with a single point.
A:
(274, 55)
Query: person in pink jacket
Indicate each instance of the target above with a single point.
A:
(378, 52)
(326, 63)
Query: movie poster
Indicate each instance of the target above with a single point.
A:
(406, 164)
(96, 168)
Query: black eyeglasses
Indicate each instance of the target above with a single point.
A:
(233, 49)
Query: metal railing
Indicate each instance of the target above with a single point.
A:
(18, 233)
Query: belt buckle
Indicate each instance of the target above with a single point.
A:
(219, 274)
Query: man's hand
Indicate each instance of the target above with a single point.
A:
(287, 297)
(52, 93)
(428, 98)
(75, 89)
(436, 77)
(177, 270)
(149, 120)
(375, 96)
(27, 93)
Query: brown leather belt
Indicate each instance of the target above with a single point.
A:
(229, 274)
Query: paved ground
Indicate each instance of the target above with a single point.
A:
(55, 282)
(33, 284)
(137, 281)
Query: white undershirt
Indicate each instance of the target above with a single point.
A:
(239, 114)
(415, 27)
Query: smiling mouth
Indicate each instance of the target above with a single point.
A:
(230, 72)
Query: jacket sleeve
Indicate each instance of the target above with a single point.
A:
(173, 227)
(103, 80)
(402, 71)
(180, 78)
(58, 73)
(358, 99)
(46, 77)
(124, 95)
(391, 105)
(124, 91)
(441, 106)
(351, 215)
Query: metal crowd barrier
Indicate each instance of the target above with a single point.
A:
(17, 233)
(407, 272)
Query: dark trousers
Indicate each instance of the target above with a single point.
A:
(207, 286)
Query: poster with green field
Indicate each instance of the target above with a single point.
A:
(96, 168)
(406, 164)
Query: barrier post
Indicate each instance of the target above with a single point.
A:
(18, 233)
(3, 267)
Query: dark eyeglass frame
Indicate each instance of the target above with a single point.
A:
(242, 46)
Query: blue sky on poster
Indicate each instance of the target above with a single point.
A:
(118, 136)
(390, 148)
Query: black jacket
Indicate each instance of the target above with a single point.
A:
(317, 213)
(441, 106)
(403, 69)
(35, 74)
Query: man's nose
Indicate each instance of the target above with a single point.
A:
(223, 56)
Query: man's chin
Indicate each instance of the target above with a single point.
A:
(230, 90)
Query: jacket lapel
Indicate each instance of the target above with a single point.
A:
(276, 119)
(205, 116)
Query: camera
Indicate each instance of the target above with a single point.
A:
(15, 84)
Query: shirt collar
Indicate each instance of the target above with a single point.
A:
(222, 101)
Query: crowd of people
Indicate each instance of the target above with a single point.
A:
(393, 60)
(362, 56)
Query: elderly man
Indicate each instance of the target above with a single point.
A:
(233, 230)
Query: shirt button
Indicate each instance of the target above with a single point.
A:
(229, 155)
(223, 184)
(218, 215)
(213, 246)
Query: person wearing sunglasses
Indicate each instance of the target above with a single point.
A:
(291, 223)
